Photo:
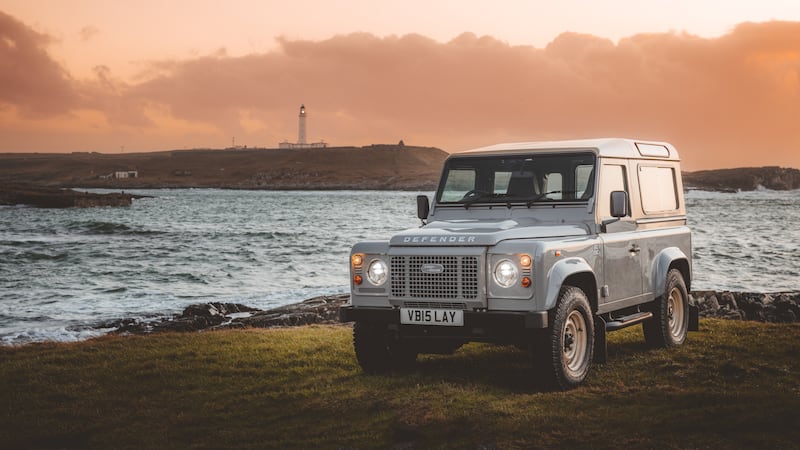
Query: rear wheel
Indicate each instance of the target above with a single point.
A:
(670, 320)
(377, 351)
(564, 358)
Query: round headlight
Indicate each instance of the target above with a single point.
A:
(377, 272)
(505, 273)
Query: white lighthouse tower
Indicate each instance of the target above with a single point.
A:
(301, 131)
(302, 140)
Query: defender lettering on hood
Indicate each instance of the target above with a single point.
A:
(439, 239)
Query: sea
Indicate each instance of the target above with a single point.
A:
(65, 271)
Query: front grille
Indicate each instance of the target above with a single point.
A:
(451, 277)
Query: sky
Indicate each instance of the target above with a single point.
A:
(718, 79)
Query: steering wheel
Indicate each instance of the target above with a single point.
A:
(474, 193)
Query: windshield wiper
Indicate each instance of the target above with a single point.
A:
(475, 196)
(545, 194)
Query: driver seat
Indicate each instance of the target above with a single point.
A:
(522, 185)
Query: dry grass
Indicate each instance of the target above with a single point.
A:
(732, 385)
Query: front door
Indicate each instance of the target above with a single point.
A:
(622, 268)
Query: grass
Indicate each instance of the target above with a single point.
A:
(733, 385)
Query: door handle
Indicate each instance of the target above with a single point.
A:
(635, 249)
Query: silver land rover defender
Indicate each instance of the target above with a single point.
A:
(543, 245)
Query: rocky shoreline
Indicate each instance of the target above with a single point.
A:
(218, 316)
(49, 197)
(781, 307)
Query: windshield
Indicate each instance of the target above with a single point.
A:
(563, 177)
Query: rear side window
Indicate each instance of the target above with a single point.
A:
(658, 188)
(613, 179)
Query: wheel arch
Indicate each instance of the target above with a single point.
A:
(572, 272)
(668, 259)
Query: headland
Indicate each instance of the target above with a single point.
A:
(380, 167)
(373, 167)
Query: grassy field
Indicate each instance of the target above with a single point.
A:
(733, 385)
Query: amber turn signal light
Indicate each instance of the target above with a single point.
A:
(525, 260)
(357, 259)
(357, 279)
(526, 282)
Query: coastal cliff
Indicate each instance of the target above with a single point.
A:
(743, 179)
(383, 167)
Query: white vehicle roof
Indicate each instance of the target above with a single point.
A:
(606, 147)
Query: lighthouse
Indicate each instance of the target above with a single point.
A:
(301, 129)
(302, 140)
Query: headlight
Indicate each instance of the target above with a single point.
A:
(377, 272)
(505, 273)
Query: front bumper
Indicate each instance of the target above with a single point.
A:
(476, 322)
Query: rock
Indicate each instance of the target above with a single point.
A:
(707, 303)
(215, 309)
(215, 316)
(728, 299)
(46, 197)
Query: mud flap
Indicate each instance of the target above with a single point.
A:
(694, 318)
(600, 346)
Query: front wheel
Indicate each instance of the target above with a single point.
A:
(564, 359)
(670, 320)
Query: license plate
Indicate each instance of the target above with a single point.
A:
(442, 317)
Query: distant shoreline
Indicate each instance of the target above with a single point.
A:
(375, 167)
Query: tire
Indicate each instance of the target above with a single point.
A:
(564, 356)
(377, 351)
(670, 321)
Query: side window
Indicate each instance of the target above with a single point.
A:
(658, 188)
(501, 182)
(554, 183)
(613, 178)
(459, 182)
(583, 181)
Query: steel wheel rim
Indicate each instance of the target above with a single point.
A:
(575, 342)
(675, 313)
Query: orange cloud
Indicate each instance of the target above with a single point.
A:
(29, 78)
(88, 32)
(724, 102)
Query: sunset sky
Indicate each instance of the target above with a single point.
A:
(719, 79)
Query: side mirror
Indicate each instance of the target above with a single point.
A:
(619, 208)
(619, 204)
(423, 207)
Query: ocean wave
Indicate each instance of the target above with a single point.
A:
(97, 227)
(103, 228)
(33, 256)
(54, 334)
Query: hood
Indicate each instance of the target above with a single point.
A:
(481, 232)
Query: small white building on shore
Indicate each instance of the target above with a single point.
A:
(126, 174)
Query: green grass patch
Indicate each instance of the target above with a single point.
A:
(732, 385)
